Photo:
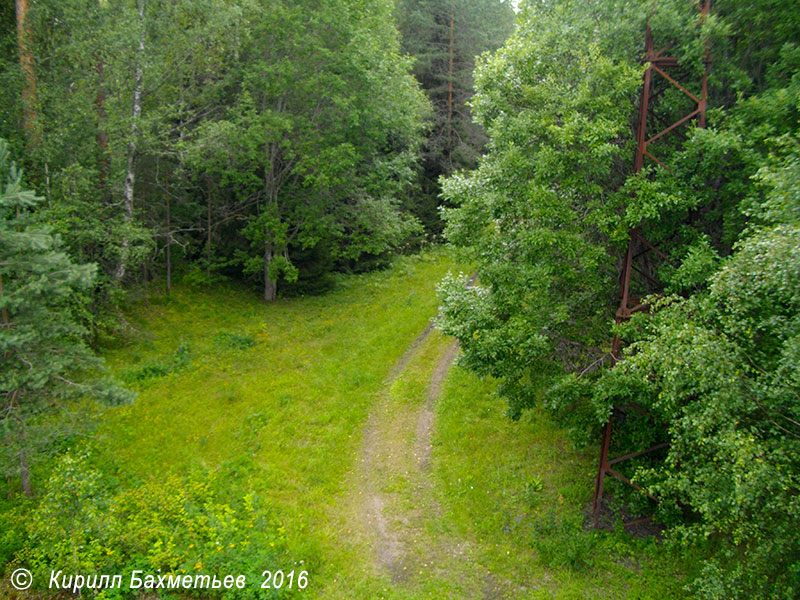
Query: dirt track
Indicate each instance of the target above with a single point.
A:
(397, 445)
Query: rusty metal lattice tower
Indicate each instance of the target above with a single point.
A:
(658, 64)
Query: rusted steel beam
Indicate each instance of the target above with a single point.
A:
(602, 469)
(664, 61)
(677, 123)
(676, 84)
(636, 408)
(635, 486)
(650, 246)
(665, 167)
(640, 453)
(646, 519)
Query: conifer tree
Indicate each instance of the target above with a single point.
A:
(445, 37)
(44, 361)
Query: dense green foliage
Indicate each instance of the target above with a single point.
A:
(546, 216)
(237, 135)
(721, 368)
(177, 525)
(321, 139)
(550, 205)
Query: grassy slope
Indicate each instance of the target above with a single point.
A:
(294, 406)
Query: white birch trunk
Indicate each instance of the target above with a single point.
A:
(130, 174)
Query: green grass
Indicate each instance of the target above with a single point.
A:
(290, 407)
(517, 490)
(302, 388)
(278, 398)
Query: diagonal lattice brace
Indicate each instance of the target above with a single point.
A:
(627, 304)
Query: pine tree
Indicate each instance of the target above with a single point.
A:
(26, 63)
(445, 37)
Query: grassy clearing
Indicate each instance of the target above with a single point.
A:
(279, 399)
(282, 389)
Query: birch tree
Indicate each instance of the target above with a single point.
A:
(136, 112)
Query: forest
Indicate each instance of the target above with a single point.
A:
(343, 298)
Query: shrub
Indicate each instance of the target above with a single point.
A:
(238, 341)
(168, 525)
(153, 369)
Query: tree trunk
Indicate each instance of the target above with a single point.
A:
(169, 237)
(27, 66)
(24, 474)
(450, 88)
(4, 312)
(136, 111)
(102, 134)
(208, 234)
(103, 159)
(24, 470)
(270, 285)
(145, 278)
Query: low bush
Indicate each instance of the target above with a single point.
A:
(87, 524)
(155, 369)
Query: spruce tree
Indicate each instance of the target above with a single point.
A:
(45, 365)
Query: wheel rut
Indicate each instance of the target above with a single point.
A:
(396, 492)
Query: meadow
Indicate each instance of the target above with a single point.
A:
(330, 435)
